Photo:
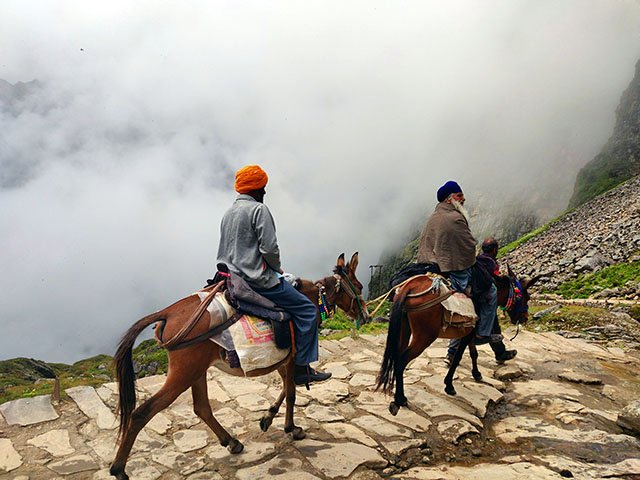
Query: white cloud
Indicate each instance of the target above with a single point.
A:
(357, 110)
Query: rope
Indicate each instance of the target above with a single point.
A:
(384, 296)
(517, 332)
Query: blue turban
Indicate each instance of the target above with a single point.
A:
(447, 189)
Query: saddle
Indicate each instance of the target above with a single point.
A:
(459, 310)
(246, 301)
(411, 270)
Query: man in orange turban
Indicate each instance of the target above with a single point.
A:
(249, 247)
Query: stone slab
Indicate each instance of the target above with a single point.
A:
(253, 402)
(483, 471)
(10, 459)
(398, 447)
(189, 440)
(379, 427)
(579, 377)
(56, 442)
(28, 411)
(404, 417)
(362, 380)
(235, 386)
(253, 452)
(105, 446)
(142, 469)
(510, 430)
(453, 430)
(160, 423)
(93, 407)
(322, 413)
(341, 459)
(330, 392)
(77, 464)
(338, 370)
(215, 392)
(341, 431)
(183, 463)
(278, 468)
(438, 405)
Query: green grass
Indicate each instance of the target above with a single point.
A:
(570, 317)
(343, 325)
(149, 352)
(609, 277)
(525, 238)
(18, 380)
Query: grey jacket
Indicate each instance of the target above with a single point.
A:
(447, 240)
(248, 243)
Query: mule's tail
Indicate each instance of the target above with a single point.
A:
(387, 375)
(124, 370)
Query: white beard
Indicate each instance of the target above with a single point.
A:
(459, 207)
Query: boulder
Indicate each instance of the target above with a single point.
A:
(629, 417)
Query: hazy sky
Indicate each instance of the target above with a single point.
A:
(116, 171)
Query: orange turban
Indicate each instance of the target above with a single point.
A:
(250, 178)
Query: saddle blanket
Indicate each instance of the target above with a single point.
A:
(251, 337)
(458, 310)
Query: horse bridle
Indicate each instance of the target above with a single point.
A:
(514, 301)
(344, 283)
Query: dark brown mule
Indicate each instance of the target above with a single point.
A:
(188, 366)
(412, 328)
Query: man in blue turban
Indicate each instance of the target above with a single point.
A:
(447, 240)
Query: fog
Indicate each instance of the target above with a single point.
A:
(118, 163)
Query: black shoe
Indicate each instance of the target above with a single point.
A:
(507, 355)
(304, 374)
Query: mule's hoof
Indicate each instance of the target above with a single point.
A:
(298, 433)
(265, 423)
(449, 390)
(235, 446)
(477, 377)
(118, 473)
(393, 408)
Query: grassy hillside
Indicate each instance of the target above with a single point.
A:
(619, 159)
(609, 277)
(26, 377)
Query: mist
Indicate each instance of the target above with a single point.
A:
(118, 163)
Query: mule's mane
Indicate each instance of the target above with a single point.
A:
(340, 270)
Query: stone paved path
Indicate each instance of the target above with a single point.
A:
(549, 414)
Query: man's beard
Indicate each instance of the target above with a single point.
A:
(459, 207)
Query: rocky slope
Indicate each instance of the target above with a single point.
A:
(563, 408)
(620, 157)
(603, 231)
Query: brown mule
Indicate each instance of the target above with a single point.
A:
(412, 328)
(188, 366)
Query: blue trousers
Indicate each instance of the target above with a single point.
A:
(460, 279)
(305, 322)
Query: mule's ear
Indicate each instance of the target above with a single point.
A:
(510, 272)
(529, 283)
(340, 262)
(353, 263)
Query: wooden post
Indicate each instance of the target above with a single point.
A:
(56, 390)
